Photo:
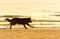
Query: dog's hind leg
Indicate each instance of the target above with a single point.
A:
(10, 26)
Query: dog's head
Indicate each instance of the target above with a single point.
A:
(29, 20)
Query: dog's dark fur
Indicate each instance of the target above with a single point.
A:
(23, 21)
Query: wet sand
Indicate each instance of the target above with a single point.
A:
(31, 33)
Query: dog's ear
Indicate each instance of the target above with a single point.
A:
(29, 17)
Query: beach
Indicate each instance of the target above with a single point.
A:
(31, 33)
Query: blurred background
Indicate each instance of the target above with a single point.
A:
(44, 13)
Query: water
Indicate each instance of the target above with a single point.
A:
(36, 24)
(4, 24)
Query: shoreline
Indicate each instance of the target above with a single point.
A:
(31, 33)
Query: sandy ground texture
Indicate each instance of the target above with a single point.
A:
(31, 33)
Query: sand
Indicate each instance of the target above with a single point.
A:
(31, 33)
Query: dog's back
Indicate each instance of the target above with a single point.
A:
(21, 20)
